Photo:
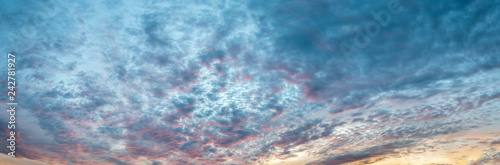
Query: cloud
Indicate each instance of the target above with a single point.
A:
(6, 160)
(246, 82)
(372, 152)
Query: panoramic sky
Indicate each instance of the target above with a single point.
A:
(253, 82)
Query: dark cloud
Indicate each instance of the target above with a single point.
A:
(117, 161)
(489, 159)
(305, 133)
(372, 152)
(156, 163)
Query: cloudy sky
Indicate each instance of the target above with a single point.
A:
(253, 82)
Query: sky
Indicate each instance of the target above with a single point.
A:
(253, 82)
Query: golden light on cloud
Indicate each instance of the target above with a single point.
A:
(460, 148)
(299, 159)
(7, 160)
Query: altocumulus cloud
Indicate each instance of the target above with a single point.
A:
(214, 82)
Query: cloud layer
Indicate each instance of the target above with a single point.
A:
(214, 82)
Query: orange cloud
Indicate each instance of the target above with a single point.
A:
(7, 160)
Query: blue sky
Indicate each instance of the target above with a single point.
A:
(253, 82)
